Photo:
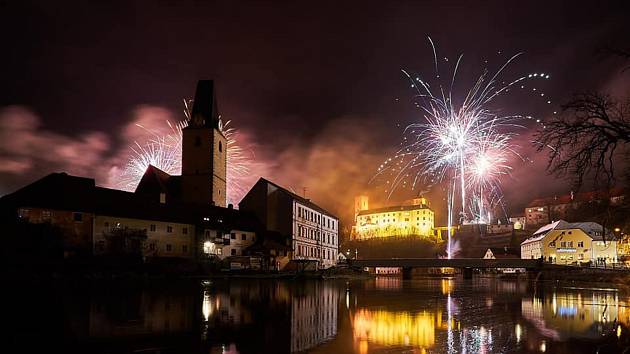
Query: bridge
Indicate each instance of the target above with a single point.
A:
(466, 264)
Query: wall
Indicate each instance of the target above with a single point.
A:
(315, 235)
(219, 169)
(76, 226)
(156, 245)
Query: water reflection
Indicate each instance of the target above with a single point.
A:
(576, 313)
(378, 315)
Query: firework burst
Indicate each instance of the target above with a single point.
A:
(164, 151)
(465, 145)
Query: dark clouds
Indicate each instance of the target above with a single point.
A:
(313, 87)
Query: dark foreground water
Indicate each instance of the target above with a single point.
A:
(383, 315)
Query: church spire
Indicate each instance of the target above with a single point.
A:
(204, 111)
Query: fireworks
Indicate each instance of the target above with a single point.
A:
(164, 151)
(466, 145)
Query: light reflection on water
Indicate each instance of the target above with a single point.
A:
(382, 315)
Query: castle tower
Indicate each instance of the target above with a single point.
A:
(360, 204)
(204, 151)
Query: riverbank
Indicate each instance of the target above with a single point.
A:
(166, 270)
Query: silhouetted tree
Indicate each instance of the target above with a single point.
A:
(585, 139)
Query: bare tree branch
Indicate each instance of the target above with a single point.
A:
(585, 139)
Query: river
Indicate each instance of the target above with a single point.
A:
(382, 315)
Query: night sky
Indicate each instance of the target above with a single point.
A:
(314, 88)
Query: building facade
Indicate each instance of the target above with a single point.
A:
(543, 211)
(417, 219)
(570, 243)
(163, 238)
(310, 231)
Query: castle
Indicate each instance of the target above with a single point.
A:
(414, 219)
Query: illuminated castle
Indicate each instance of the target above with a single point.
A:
(415, 219)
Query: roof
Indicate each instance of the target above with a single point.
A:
(61, 191)
(205, 106)
(393, 208)
(592, 229)
(576, 197)
(155, 181)
(294, 196)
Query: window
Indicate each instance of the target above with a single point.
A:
(46, 214)
(580, 243)
(152, 227)
(169, 247)
(152, 246)
(106, 224)
(233, 251)
(24, 213)
(185, 231)
(169, 228)
(233, 236)
(219, 251)
(552, 244)
(185, 248)
(162, 198)
(244, 237)
(220, 147)
(563, 244)
(570, 244)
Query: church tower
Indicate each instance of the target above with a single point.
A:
(204, 151)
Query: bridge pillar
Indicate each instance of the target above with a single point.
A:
(467, 273)
(406, 273)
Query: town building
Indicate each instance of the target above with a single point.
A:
(95, 220)
(571, 243)
(416, 219)
(543, 211)
(310, 231)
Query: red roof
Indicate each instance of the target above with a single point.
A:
(577, 197)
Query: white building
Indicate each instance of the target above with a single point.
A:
(310, 231)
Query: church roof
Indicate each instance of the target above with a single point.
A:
(205, 105)
(155, 181)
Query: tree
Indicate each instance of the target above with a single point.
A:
(585, 140)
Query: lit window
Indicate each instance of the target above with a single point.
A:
(24, 213)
